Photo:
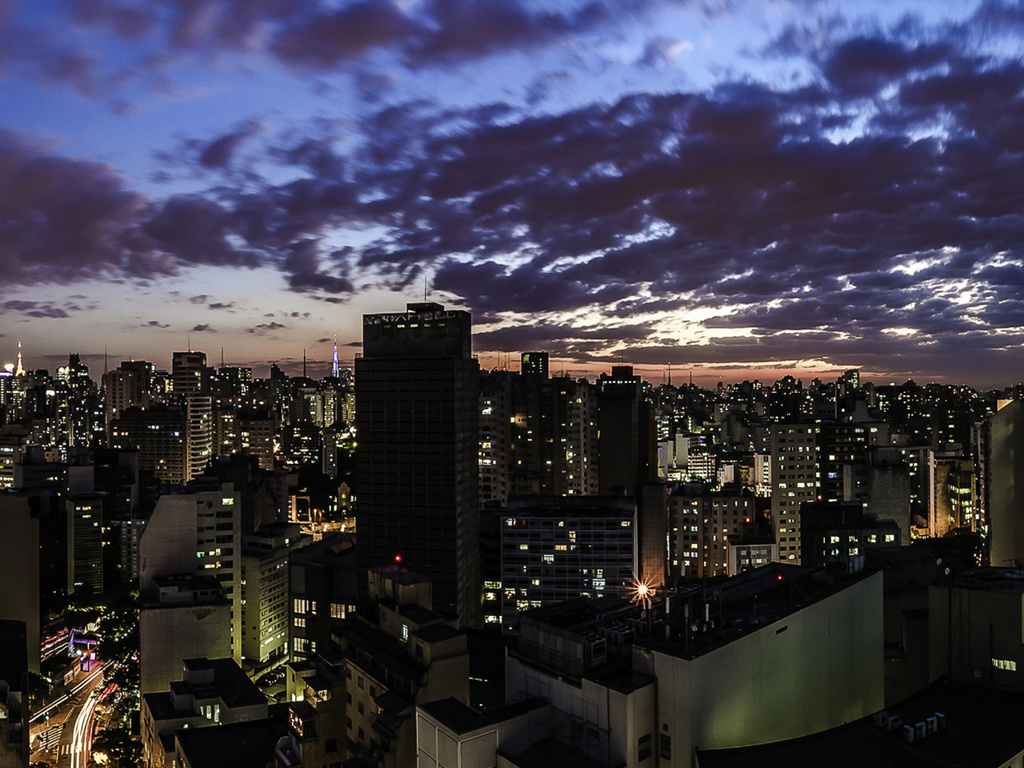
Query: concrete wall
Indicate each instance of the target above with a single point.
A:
(813, 670)
(168, 544)
(972, 628)
(607, 722)
(20, 554)
(1006, 490)
(170, 634)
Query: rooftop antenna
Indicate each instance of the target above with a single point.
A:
(189, 342)
(222, 357)
(335, 370)
(670, 374)
(303, 363)
(104, 361)
(424, 289)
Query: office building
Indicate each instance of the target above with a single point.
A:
(416, 467)
(160, 435)
(628, 439)
(264, 590)
(190, 375)
(559, 548)
(85, 512)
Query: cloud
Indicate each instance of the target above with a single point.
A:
(222, 305)
(64, 219)
(219, 152)
(879, 190)
(156, 324)
(661, 52)
(263, 328)
(201, 328)
(37, 309)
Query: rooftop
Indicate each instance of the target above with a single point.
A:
(989, 580)
(978, 730)
(238, 745)
(552, 505)
(460, 718)
(695, 618)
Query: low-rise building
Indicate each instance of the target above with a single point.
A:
(778, 652)
(212, 691)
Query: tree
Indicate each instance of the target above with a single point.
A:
(118, 745)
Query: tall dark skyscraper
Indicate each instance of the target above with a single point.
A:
(416, 461)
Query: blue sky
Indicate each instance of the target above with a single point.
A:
(741, 188)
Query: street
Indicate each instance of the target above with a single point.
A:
(61, 732)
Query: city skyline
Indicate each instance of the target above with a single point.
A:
(743, 189)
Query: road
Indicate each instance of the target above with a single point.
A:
(71, 716)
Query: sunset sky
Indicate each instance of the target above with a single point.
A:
(744, 189)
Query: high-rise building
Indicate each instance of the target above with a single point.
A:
(555, 549)
(35, 550)
(15, 731)
(190, 374)
(322, 591)
(193, 535)
(124, 388)
(264, 590)
(1006, 467)
(85, 512)
(416, 463)
(160, 435)
(794, 481)
(628, 441)
(702, 523)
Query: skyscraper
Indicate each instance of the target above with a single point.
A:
(416, 461)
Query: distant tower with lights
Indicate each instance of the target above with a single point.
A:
(416, 464)
(335, 369)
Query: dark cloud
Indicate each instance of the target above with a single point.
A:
(222, 305)
(864, 65)
(63, 219)
(219, 152)
(318, 37)
(884, 194)
(201, 328)
(265, 328)
(37, 309)
(156, 324)
(323, 41)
